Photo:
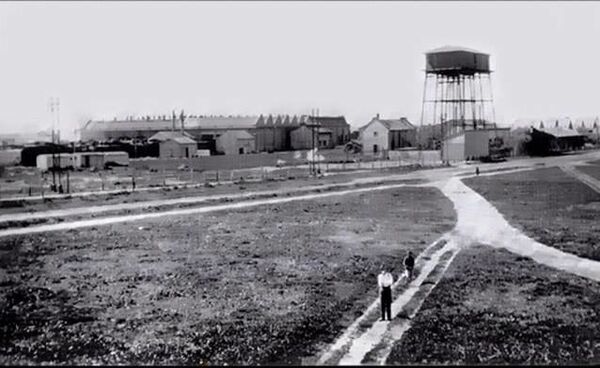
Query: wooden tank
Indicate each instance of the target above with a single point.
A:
(456, 60)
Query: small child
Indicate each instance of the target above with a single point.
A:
(409, 264)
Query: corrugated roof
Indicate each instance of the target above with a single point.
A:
(204, 122)
(454, 49)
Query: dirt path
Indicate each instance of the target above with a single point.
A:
(431, 176)
(480, 222)
(357, 340)
(582, 177)
(378, 340)
(188, 211)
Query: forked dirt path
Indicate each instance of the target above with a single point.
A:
(478, 222)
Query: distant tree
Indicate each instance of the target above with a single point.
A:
(570, 125)
(541, 125)
(556, 124)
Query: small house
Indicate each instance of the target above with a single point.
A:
(175, 144)
(236, 142)
(382, 135)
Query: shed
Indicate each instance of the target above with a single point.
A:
(302, 137)
(175, 144)
(554, 141)
(236, 142)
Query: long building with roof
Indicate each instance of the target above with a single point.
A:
(200, 127)
(272, 132)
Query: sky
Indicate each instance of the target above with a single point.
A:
(357, 59)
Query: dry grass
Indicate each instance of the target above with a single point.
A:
(258, 286)
(549, 206)
(493, 307)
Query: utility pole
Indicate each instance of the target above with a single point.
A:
(312, 128)
(317, 163)
(53, 107)
(182, 119)
(597, 131)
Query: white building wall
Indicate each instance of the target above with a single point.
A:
(375, 134)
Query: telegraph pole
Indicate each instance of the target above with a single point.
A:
(53, 106)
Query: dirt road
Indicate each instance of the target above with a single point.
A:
(478, 222)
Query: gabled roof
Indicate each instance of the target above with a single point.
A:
(238, 134)
(183, 140)
(391, 124)
(169, 134)
(330, 121)
(559, 132)
(397, 124)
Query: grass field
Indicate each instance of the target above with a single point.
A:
(493, 307)
(549, 206)
(247, 287)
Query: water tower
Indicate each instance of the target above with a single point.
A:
(458, 94)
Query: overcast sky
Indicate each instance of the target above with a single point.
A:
(356, 58)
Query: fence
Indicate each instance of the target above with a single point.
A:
(27, 182)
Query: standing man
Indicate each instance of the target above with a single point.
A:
(409, 264)
(385, 281)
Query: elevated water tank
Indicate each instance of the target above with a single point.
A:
(451, 60)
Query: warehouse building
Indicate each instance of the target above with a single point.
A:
(201, 128)
(271, 133)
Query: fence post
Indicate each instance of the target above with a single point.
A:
(217, 175)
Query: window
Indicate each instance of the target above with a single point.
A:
(374, 134)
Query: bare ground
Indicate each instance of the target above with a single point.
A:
(239, 287)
